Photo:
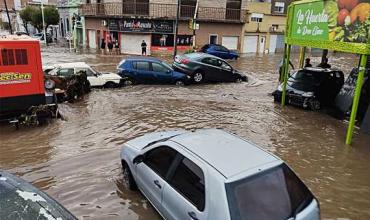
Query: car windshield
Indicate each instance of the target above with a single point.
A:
(275, 194)
(306, 80)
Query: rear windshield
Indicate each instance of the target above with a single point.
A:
(275, 194)
(193, 56)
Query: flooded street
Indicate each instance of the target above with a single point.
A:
(77, 161)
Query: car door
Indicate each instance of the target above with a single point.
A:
(226, 72)
(212, 68)
(142, 72)
(151, 173)
(162, 73)
(185, 195)
(225, 53)
(92, 77)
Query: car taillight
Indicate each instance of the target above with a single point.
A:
(185, 61)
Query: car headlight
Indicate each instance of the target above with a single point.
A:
(49, 84)
(307, 94)
(188, 77)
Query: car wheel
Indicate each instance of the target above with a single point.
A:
(128, 179)
(129, 82)
(110, 85)
(179, 83)
(198, 77)
(238, 80)
(315, 105)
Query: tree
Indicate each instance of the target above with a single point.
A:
(26, 15)
(33, 15)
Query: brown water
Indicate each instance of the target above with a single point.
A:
(77, 161)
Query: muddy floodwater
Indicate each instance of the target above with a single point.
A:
(77, 160)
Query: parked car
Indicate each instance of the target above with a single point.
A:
(96, 79)
(219, 51)
(149, 71)
(312, 88)
(40, 37)
(211, 174)
(202, 67)
(21, 200)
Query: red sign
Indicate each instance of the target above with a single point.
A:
(180, 48)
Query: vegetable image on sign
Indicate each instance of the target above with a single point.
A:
(353, 20)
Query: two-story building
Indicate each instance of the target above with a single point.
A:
(265, 26)
(131, 21)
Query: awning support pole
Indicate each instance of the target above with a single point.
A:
(286, 71)
(356, 99)
(302, 54)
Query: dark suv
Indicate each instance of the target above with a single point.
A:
(312, 88)
(202, 67)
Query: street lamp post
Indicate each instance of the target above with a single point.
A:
(7, 14)
(43, 22)
(177, 28)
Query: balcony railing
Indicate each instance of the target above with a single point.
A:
(155, 10)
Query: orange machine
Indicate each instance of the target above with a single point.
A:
(21, 75)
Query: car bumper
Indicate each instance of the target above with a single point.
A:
(294, 99)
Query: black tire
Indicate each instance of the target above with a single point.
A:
(129, 82)
(238, 80)
(110, 85)
(198, 77)
(179, 83)
(128, 179)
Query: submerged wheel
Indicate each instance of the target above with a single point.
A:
(129, 82)
(110, 85)
(238, 80)
(198, 77)
(179, 83)
(128, 179)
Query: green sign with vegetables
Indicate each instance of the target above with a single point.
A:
(342, 25)
(310, 22)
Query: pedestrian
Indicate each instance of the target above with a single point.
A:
(281, 67)
(324, 64)
(143, 48)
(102, 46)
(308, 63)
(110, 46)
(116, 46)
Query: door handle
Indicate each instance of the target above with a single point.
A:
(156, 182)
(193, 215)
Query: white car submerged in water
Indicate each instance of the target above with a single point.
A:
(96, 79)
(210, 174)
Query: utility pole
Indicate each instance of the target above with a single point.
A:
(43, 22)
(177, 28)
(7, 14)
(195, 23)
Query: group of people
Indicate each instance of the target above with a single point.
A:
(324, 63)
(112, 45)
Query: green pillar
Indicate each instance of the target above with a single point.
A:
(356, 99)
(302, 54)
(285, 72)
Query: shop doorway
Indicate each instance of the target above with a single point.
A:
(213, 39)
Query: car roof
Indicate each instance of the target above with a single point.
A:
(200, 55)
(72, 65)
(26, 201)
(225, 152)
(140, 58)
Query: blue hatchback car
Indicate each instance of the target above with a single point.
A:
(145, 70)
(219, 51)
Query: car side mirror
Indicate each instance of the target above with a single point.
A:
(138, 159)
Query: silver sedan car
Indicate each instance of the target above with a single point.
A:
(212, 174)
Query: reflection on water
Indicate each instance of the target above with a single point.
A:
(77, 161)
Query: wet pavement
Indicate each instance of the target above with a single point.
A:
(77, 161)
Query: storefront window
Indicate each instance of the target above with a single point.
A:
(167, 40)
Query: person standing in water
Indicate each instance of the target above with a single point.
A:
(143, 48)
